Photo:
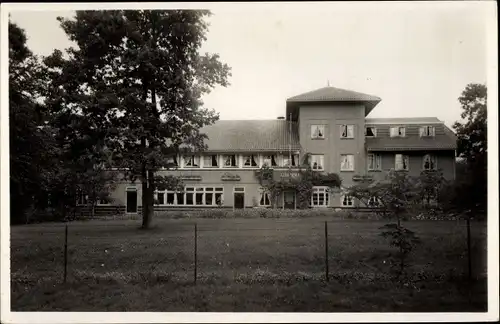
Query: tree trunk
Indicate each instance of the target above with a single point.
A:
(146, 219)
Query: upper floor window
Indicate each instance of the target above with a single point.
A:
(317, 131)
(191, 161)
(426, 131)
(210, 161)
(346, 162)
(230, 161)
(430, 162)
(249, 161)
(370, 131)
(319, 197)
(317, 162)
(269, 160)
(291, 163)
(346, 131)
(374, 162)
(402, 162)
(397, 131)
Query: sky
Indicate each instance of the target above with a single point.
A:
(417, 57)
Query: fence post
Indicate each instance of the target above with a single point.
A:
(469, 248)
(326, 252)
(65, 253)
(195, 252)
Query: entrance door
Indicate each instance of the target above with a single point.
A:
(132, 201)
(289, 200)
(239, 200)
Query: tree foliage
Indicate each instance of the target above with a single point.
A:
(131, 91)
(397, 196)
(470, 189)
(31, 148)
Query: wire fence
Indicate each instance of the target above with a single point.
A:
(244, 250)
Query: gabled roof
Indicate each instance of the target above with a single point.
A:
(251, 135)
(446, 141)
(331, 95)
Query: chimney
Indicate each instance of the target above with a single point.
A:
(281, 117)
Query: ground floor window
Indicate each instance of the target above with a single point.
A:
(264, 198)
(82, 199)
(347, 201)
(430, 198)
(319, 197)
(191, 196)
(104, 201)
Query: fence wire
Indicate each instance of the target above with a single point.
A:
(241, 250)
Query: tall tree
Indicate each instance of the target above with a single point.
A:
(30, 151)
(471, 188)
(133, 88)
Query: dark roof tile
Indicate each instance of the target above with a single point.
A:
(251, 135)
(332, 94)
(446, 141)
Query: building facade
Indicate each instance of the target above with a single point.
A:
(328, 124)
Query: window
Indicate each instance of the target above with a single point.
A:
(430, 197)
(374, 202)
(209, 196)
(193, 196)
(170, 198)
(374, 162)
(172, 162)
(397, 131)
(82, 199)
(427, 131)
(191, 161)
(180, 198)
(429, 162)
(269, 160)
(317, 131)
(295, 160)
(347, 201)
(319, 197)
(230, 161)
(370, 131)
(264, 198)
(346, 162)
(189, 196)
(219, 199)
(402, 162)
(104, 201)
(317, 162)
(347, 131)
(159, 198)
(210, 161)
(249, 161)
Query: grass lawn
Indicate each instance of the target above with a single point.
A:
(248, 265)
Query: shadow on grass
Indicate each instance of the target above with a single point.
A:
(259, 291)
